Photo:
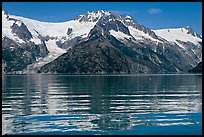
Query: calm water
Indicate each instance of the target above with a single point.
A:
(134, 104)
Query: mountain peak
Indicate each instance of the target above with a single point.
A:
(92, 16)
(100, 11)
(190, 31)
(4, 13)
(188, 28)
(111, 21)
(128, 17)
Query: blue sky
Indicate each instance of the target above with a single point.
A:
(155, 15)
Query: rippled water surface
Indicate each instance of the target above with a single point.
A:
(126, 104)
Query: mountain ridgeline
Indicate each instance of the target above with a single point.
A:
(96, 43)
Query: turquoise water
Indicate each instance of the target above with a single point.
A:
(117, 104)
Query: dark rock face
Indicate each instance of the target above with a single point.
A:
(14, 61)
(69, 43)
(98, 31)
(103, 53)
(18, 57)
(44, 38)
(38, 50)
(197, 69)
(186, 57)
(190, 31)
(97, 56)
(112, 23)
(21, 31)
(69, 31)
(7, 43)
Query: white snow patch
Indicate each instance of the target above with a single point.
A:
(94, 16)
(128, 17)
(6, 29)
(137, 34)
(180, 45)
(119, 35)
(55, 52)
(53, 48)
(18, 23)
(58, 30)
(177, 34)
(41, 62)
(35, 40)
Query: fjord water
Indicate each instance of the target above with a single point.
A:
(114, 104)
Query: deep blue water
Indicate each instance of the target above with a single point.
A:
(114, 104)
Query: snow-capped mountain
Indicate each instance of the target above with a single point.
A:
(186, 38)
(180, 34)
(179, 48)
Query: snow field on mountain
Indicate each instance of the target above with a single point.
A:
(6, 31)
(58, 30)
(137, 34)
(119, 35)
(62, 32)
(177, 34)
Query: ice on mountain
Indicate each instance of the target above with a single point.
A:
(177, 34)
(128, 17)
(18, 23)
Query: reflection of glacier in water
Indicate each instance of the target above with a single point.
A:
(134, 104)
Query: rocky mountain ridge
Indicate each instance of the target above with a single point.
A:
(131, 46)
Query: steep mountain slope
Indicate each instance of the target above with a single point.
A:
(180, 34)
(189, 41)
(197, 69)
(140, 48)
(96, 55)
(135, 35)
(57, 36)
(19, 47)
(103, 53)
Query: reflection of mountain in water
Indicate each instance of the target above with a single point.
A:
(82, 103)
